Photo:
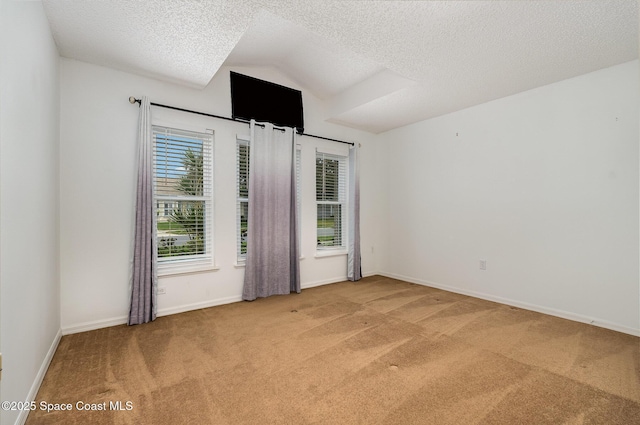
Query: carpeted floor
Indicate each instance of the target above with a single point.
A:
(379, 351)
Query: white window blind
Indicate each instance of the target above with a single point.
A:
(242, 184)
(331, 200)
(183, 179)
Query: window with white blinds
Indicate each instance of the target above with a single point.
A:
(331, 200)
(183, 179)
(242, 184)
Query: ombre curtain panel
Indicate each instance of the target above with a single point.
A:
(144, 274)
(272, 262)
(354, 268)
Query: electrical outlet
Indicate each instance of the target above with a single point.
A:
(162, 290)
(483, 264)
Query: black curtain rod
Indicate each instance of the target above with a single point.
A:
(133, 100)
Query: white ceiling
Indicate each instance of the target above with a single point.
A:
(377, 65)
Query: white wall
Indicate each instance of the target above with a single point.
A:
(98, 145)
(543, 185)
(29, 131)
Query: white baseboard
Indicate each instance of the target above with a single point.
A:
(526, 306)
(93, 325)
(238, 298)
(332, 280)
(33, 391)
(197, 306)
(115, 321)
(322, 282)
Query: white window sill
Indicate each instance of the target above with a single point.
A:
(330, 253)
(174, 271)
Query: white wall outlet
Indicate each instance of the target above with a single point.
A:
(162, 290)
(483, 264)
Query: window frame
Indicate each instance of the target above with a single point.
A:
(343, 199)
(241, 141)
(196, 262)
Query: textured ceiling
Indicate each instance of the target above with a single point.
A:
(377, 65)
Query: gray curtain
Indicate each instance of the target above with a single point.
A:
(272, 263)
(144, 276)
(354, 268)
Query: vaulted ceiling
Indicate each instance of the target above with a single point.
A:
(376, 65)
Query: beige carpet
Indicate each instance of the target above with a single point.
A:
(378, 351)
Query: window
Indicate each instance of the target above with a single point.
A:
(183, 178)
(242, 177)
(331, 200)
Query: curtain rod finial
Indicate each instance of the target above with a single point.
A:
(133, 100)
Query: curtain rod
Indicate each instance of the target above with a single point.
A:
(133, 100)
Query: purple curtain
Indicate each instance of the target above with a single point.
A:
(144, 277)
(272, 264)
(354, 268)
